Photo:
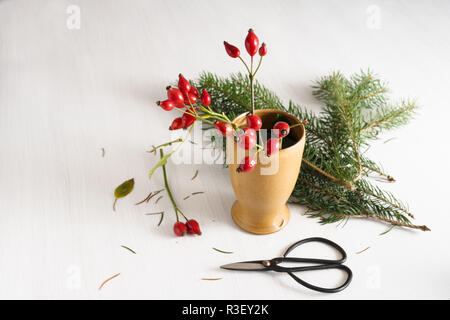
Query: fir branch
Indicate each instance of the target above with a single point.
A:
(332, 184)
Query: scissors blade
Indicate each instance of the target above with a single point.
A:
(245, 266)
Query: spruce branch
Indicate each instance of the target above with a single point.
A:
(333, 182)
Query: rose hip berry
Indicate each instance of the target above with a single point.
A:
(251, 43)
(179, 228)
(176, 96)
(281, 129)
(193, 227)
(263, 50)
(177, 123)
(189, 99)
(187, 119)
(247, 140)
(224, 128)
(231, 50)
(183, 84)
(247, 165)
(194, 91)
(254, 122)
(166, 104)
(272, 146)
(205, 98)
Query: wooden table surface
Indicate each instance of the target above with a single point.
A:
(70, 87)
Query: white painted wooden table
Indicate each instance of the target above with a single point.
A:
(65, 93)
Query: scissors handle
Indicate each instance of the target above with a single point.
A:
(321, 264)
(321, 267)
(310, 260)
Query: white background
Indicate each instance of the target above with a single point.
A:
(65, 94)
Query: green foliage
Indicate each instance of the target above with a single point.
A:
(334, 181)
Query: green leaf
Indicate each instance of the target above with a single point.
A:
(124, 189)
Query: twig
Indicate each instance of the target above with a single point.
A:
(346, 184)
(364, 215)
(104, 282)
(211, 279)
(393, 222)
(164, 145)
(381, 173)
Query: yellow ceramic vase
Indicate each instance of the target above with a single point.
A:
(262, 193)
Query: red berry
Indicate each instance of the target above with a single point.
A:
(224, 128)
(193, 227)
(187, 119)
(281, 129)
(251, 43)
(254, 122)
(166, 104)
(247, 165)
(250, 131)
(183, 84)
(189, 99)
(272, 146)
(176, 96)
(179, 228)
(231, 50)
(177, 123)
(263, 50)
(194, 91)
(206, 98)
(247, 140)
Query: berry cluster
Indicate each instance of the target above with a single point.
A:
(186, 99)
(195, 107)
(248, 140)
(191, 227)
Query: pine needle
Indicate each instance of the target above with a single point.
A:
(107, 280)
(195, 175)
(362, 250)
(159, 198)
(211, 279)
(221, 251)
(125, 247)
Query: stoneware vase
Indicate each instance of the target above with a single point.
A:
(262, 194)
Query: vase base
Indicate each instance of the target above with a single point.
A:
(263, 226)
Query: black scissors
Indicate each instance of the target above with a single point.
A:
(318, 264)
